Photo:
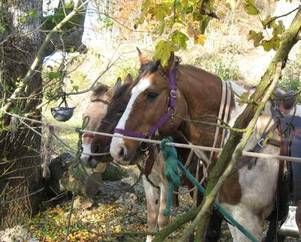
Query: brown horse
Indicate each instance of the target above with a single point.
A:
(249, 194)
(95, 110)
(156, 185)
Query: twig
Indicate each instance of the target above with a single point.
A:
(95, 81)
(69, 217)
(281, 16)
(22, 197)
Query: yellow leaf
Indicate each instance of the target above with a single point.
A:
(200, 39)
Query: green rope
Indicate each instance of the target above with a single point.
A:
(172, 165)
(171, 172)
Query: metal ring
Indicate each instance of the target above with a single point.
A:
(171, 110)
(173, 93)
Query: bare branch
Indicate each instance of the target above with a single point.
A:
(95, 81)
(281, 16)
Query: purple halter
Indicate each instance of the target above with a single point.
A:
(165, 117)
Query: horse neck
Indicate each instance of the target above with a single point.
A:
(202, 92)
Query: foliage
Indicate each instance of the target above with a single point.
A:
(59, 14)
(113, 173)
(3, 21)
(174, 22)
(269, 24)
(28, 16)
(124, 70)
(98, 224)
(53, 83)
(291, 77)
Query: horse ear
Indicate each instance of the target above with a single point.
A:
(172, 62)
(142, 58)
(117, 85)
(128, 79)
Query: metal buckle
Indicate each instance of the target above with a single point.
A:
(171, 110)
(173, 93)
(260, 142)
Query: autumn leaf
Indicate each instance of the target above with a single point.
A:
(200, 39)
(257, 37)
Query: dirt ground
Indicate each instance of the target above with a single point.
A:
(119, 215)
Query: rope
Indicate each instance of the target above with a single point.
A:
(179, 145)
(172, 163)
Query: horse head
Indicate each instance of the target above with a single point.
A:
(149, 108)
(107, 124)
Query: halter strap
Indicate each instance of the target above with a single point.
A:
(100, 100)
(172, 84)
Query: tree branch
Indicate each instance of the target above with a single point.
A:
(281, 16)
(21, 88)
(95, 81)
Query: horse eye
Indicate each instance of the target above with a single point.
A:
(152, 95)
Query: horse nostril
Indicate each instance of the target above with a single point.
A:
(121, 152)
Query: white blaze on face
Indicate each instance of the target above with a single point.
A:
(86, 152)
(118, 142)
(86, 146)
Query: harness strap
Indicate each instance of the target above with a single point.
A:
(223, 116)
(244, 160)
(227, 110)
(219, 117)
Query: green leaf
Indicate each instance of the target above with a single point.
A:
(244, 98)
(257, 37)
(250, 7)
(179, 40)
(52, 75)
(146, 5)
(75, 88)
(161, 27)
(278, 28)
(162, 10)
(33, 13)
(272, 43)
(267, 45)
(163, 50)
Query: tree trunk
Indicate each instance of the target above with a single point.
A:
(20, 180)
